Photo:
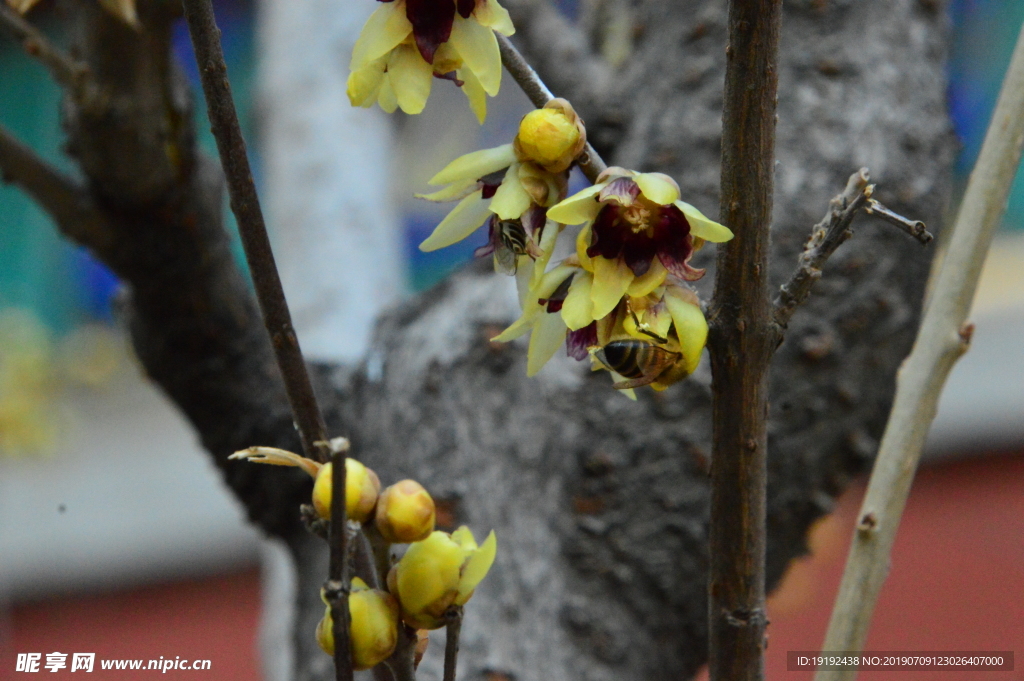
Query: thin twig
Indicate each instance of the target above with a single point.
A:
(826, 237)
(830, 233)
(453, 616)
(590, 162)
(70, 205)
(402, 662)
(64, 69)
(245, 204)
(941, 340)
(743, 336)
(914, 228)
(338, 579)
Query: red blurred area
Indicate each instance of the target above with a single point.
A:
(956, 581)
(213, 619)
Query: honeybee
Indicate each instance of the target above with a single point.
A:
(642, 362)
(510, 244)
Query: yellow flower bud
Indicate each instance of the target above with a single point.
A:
(438, 572)
(405, 513)
(373, 633)
(551, 137)
(361, 488)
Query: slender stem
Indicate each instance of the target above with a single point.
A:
(590, 162)
(245, 204)
(942, 338)
(451, 646)
(826, 237)
(338, 580)
(64, 69)
(914, 228)
(743, 336)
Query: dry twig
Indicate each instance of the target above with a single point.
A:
(942, 339)
(451, 645)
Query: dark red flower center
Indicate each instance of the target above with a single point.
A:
(640, 231)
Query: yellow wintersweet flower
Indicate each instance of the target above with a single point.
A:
(373, 631)
(637, 231)
(441, 571)
(406, 43)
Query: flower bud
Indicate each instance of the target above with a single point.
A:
(438, 572)
(361, 488)
(551, 137)
(373, 632)
(405, 513)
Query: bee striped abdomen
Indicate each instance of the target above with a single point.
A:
(627, 357)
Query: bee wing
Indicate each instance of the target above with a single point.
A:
(505, 260)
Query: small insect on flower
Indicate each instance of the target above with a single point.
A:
(642, 362)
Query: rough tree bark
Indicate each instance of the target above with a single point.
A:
(600, 504)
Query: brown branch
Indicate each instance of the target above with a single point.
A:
(590, 162)
(914, 228)
(562, 51)
(68, 204)
(451, 646)
(66, 70)
(338, 580)
(830, 233)
(742, 339)
(826, 237)
(246, 207)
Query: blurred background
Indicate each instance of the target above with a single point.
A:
(116, 534)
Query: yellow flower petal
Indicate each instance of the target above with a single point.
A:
(464, 538)
(580, 207)
(548, 335)
(386, 97)
(628, 392)
(548, 241)
(611, 280)
(578, 308)
(477, 567)
(364, 83)
(455, 191)
(478, 48)
(123, 10)
(531, 307)
(650, 280)
(657, 187)
(411, 77)
(582, 244)
(494, 16)
(701, 226)
(475, 165)
(386, 28)
(460, 223)
(474, 92)
(511, 200)
(691, 328)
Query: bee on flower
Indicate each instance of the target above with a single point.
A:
(405, 44)
(511, 187)
(622, 298)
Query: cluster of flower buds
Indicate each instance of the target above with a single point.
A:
(622, 298)
(437, 572)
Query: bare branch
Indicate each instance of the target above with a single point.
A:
(830, 233)
(743, 336)
(590, 162)
(561, 51)
(942, 338)
(338, 580)
(246, 207)
(914, 228)
(68, 204)
(67, 71)
(826, 237)
(451, 645)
